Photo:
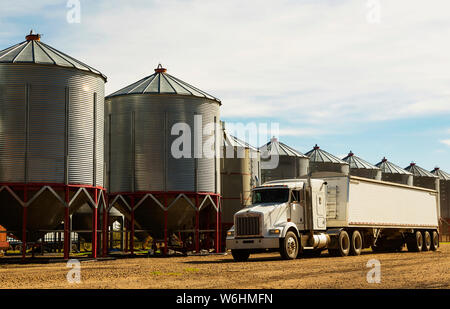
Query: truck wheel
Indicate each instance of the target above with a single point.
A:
(356, 243)
(289, 246)
(434, 240)
(426, 241)
(415, 242)
(240, 255)
(343, 245)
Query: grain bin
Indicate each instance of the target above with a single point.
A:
(51, 138)
(323, 163)
(362, 168)
(169, 193)
(444, 191)
(288, 162)
(393, 173)
(423, 178)
(240, 172)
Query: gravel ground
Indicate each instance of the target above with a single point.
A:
(398, 270)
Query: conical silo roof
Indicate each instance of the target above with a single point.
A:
(441, 174)
(390, 168)
(275, 147)
(34, 51)
(230, 140)
(321, 156)
(416, 170)
(356, 162)
(161, 82)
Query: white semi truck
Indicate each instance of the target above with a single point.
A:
(343, 214)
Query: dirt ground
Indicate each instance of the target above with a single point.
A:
(398, 270)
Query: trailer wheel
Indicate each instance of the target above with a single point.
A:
(434, 240)
(240, 255)
(289, 246)
(356, 243)
(426, 241)
(415, 242)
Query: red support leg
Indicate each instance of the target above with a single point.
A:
(197, 224)
(166, 243)
(216, 200)
(66, 226)
(132, 226)
(104, 231)
(126, 234)
(94, 227)
(24, 224)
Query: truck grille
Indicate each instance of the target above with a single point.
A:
(247, 226)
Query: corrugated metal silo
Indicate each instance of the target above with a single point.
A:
(423, 178)
(362, 168)
(163, 193)
(323, 163)
(51, 137)
(240, 172)
(290, 162)
(393, 173)
(444, 191)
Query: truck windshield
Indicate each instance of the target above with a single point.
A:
(270, 196)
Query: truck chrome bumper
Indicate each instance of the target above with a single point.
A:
(253, 243)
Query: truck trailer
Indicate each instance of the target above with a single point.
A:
(344, 214)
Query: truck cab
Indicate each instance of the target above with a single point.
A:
(285, 216)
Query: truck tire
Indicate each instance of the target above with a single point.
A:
(356, 243)
(434, 240)
(415, 242)
(240, 255)
(289, 246)
(426, 241)
(343, 245)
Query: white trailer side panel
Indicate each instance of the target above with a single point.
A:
(381, 204)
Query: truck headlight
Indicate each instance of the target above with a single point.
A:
(275, 231)
(230, 233)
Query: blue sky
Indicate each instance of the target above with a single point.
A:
(326, 71)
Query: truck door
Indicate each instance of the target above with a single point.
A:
(319, 209)
(297, 209)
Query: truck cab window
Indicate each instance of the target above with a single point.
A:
(270, 196)
(295, 196)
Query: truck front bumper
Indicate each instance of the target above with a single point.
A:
(253, 243)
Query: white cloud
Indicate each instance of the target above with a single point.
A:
(312, 62)
(446, 142)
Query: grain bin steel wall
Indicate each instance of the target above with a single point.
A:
(51, 136)
(240, 172)
(139, 133)
(291, 163)
(50, 115)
